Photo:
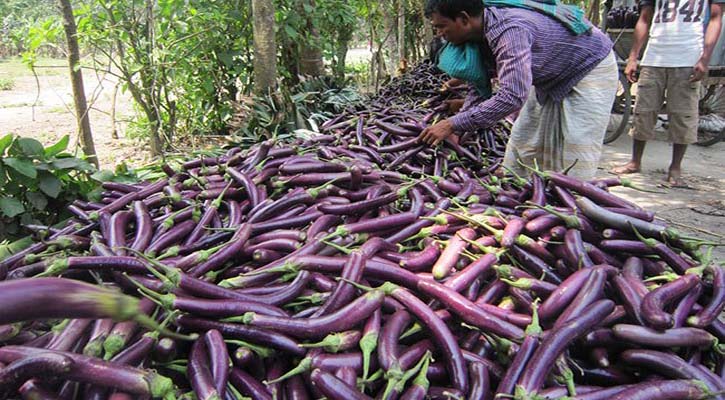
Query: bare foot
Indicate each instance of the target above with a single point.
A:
(628, 168)
(674, 179)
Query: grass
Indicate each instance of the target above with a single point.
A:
(6, 83)
(16, 105)
(13, 67)
(58, 110)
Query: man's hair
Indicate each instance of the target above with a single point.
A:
(452, 8)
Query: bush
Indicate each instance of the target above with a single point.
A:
(37, 183)
(7, 83)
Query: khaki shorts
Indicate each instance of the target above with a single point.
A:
(656, 85)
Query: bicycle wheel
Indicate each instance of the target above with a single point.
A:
(621, 109)
(708, 138)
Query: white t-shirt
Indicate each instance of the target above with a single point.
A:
(676, 34)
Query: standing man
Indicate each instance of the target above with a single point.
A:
(674, 63)
(574, 79)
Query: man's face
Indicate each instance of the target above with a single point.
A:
(452, 30)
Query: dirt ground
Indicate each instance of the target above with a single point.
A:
(43, 110)
(699, 209)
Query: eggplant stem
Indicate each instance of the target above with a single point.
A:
(412, 330)
(287, 267)
(667, 277)
(161, 276)
(648, 242)
(304, 366)
(177, 368)
(235, 392)
(261, 351)
(569, 168)
(150, 323)
(211, 229)
(534, 170)
(146, 292)
(518, 179)
(534, 328)
(337, 247)
(218, 201)
(357, 285)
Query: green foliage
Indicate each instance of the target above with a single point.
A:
(8, 248)
(359, 73)
(7, 83)
(16, 18)
(335, 22)
(182, 61)
(36, 182)
(43, 37)
(285, 114)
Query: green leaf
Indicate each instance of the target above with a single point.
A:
(102, 176)
(67, 163)
(3, 178)
(31, 147)
(50, 185)
(52, 151)
(8, 249)
(37, 200)
(5, 142)
(11, 206)
(24, 167)
(290, 32)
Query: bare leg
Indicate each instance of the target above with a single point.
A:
(635, 164)
(675, 171)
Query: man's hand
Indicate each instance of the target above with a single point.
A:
(699, 71)
(451, 83)
(435, 134)
(454, 105)
(630, 71)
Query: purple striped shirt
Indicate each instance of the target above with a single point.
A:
(531, 49)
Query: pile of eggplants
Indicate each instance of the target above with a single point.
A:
(360, 264)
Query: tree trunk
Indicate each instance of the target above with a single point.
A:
(391, 38)
(593, 12)
(310, 51)
(76, 77)
(341, 48)
(427, 29)
(114, 96)
(265, 47)
(401, 37)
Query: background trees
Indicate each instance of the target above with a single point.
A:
(188, 64)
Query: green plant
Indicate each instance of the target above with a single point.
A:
(7, 83)
(285, 114)
(358, 72)
(36, 182)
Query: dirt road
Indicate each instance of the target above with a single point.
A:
(699, 209)
(43, 110)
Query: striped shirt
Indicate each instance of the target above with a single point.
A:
(531, 49)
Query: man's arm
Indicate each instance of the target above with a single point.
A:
(641, 32)
(711, 36)
(513, 61)
(472, 97)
